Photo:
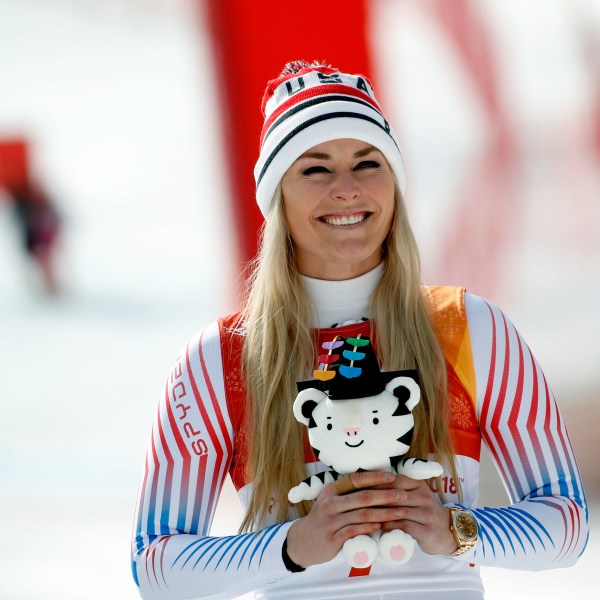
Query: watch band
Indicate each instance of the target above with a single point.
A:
(460, 550)
(465, 540)
(290, 565)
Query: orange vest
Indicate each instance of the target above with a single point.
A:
(451, 328)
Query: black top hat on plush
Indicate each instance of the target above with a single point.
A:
(349, 369)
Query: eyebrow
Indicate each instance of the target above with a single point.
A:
(325, 156)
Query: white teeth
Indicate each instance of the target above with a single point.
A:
(345, 220)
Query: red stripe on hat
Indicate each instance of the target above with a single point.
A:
(275, 83)
(312, 92)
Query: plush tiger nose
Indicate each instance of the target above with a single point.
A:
(351, 430)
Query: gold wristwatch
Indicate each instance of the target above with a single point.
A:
(464, 529)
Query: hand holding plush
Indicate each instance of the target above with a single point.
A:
(359, 418)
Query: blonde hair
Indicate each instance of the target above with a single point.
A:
(279, 351)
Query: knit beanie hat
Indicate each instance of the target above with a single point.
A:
(311, 104)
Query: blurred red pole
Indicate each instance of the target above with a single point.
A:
(251, 42)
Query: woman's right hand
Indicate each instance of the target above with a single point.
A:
(333, 519)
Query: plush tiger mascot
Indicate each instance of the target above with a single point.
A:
(360, 418)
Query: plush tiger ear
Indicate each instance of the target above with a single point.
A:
(304, 404)
(408, 392)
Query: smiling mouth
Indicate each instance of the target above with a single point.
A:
(344, 220)
(355, 445)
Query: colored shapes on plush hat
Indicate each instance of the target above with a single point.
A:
(358, 342)
(333, 345)
(328, 359)
(323, 375)
(351, 355)
(350, 372)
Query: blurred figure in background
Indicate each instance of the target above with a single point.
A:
(36, 216)
(39, 227)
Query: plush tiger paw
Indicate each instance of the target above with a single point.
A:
(360, 551)
(396, 547)
(310, 488)
(301, 492)
(416, 468)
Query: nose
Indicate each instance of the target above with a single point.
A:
(351, 430)
(345, 187)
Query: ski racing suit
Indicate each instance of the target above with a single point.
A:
(498, 395)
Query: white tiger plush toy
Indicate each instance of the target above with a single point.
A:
(359, 418)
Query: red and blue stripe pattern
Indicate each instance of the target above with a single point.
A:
(189, 455)
(190, 557)
(523, 429)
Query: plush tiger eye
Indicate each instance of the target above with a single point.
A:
(329, 426)
(375, 421)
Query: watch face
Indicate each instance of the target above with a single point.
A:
(465, 525)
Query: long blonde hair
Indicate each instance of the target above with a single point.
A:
(279, 351)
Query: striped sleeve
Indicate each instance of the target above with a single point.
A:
(546, 525)
(189, 454)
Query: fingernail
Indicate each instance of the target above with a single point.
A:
(400, 494)
(389, 476)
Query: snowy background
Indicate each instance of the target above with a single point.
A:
(114, 95)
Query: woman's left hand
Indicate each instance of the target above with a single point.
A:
(422, 517)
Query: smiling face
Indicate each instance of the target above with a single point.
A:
(359, 434)
(339, 204)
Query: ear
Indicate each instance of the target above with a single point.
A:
(304, 404)
(407, 390)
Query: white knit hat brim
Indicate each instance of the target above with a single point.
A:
(290, 137)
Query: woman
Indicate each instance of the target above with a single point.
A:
(338, 257)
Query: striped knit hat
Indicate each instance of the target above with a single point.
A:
(311, 104)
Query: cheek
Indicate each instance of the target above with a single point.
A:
(388, 209)
(298, 216)
(298, 232)
(325, 438)
(389, 203)
(296, 208)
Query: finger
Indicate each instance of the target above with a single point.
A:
(343, 485)
(413, 529)
(361, 480)
(350, 531)
(370, 498)
(409, 484)
(367, 479)
(417, 492)
(402, 482)
(417, 515)
(367, 515)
